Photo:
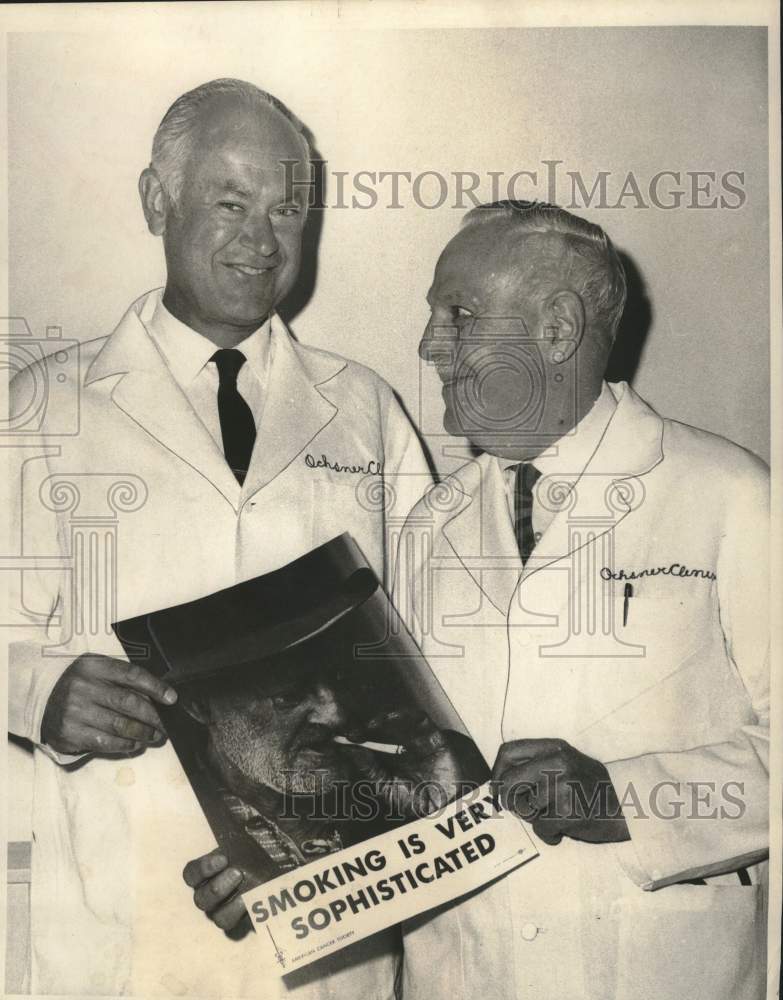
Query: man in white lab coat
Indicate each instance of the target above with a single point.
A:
(592, 593)
(211, 447)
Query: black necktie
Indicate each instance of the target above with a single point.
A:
(236, 419)
(525, 479)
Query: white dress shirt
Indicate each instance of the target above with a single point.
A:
(568, 456)
(187, 354)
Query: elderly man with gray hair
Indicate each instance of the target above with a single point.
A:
(591, 590)
(603, 570)
(207, 413)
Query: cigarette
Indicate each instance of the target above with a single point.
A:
(370, 745)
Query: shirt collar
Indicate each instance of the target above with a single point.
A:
(186, 351)
(570, 454)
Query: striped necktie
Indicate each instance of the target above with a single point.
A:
(525, 478)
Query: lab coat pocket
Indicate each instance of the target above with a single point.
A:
(650, 665)
(661, 631)
(691, 940)
(657, 638)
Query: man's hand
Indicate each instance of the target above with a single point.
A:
(103, 705)
(560, 791)
(215, 888)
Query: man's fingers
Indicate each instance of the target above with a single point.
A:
(229, 915)
(526, 772)
(368, 764)
(216, 890)
(130, 675)
(531, 787)
(518, 793)
(125, 701)
(101, 705)
(518, 751)
(200, 869)
(112, 724)
(548, 830)
(89, 740)
(215, 887)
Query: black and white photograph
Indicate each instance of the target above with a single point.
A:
(306, 718)
(309, 725)
(392, 547)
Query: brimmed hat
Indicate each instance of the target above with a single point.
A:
(253, 620)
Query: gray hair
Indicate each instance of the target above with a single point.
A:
(592, 264)
(173, 142)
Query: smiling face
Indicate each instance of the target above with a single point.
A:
(483, 337)
(233, 242)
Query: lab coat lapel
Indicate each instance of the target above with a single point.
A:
(608, 490)
(148, 393)
(295, 409)
(481, 534)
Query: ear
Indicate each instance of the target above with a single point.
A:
(154, 201)
(564, 325)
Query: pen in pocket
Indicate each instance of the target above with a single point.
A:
(627, 595)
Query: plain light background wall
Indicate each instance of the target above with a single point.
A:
(83, 110)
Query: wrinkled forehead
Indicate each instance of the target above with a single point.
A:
(495, 259)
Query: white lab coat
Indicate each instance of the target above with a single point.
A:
(142, 496)
(677, 694)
